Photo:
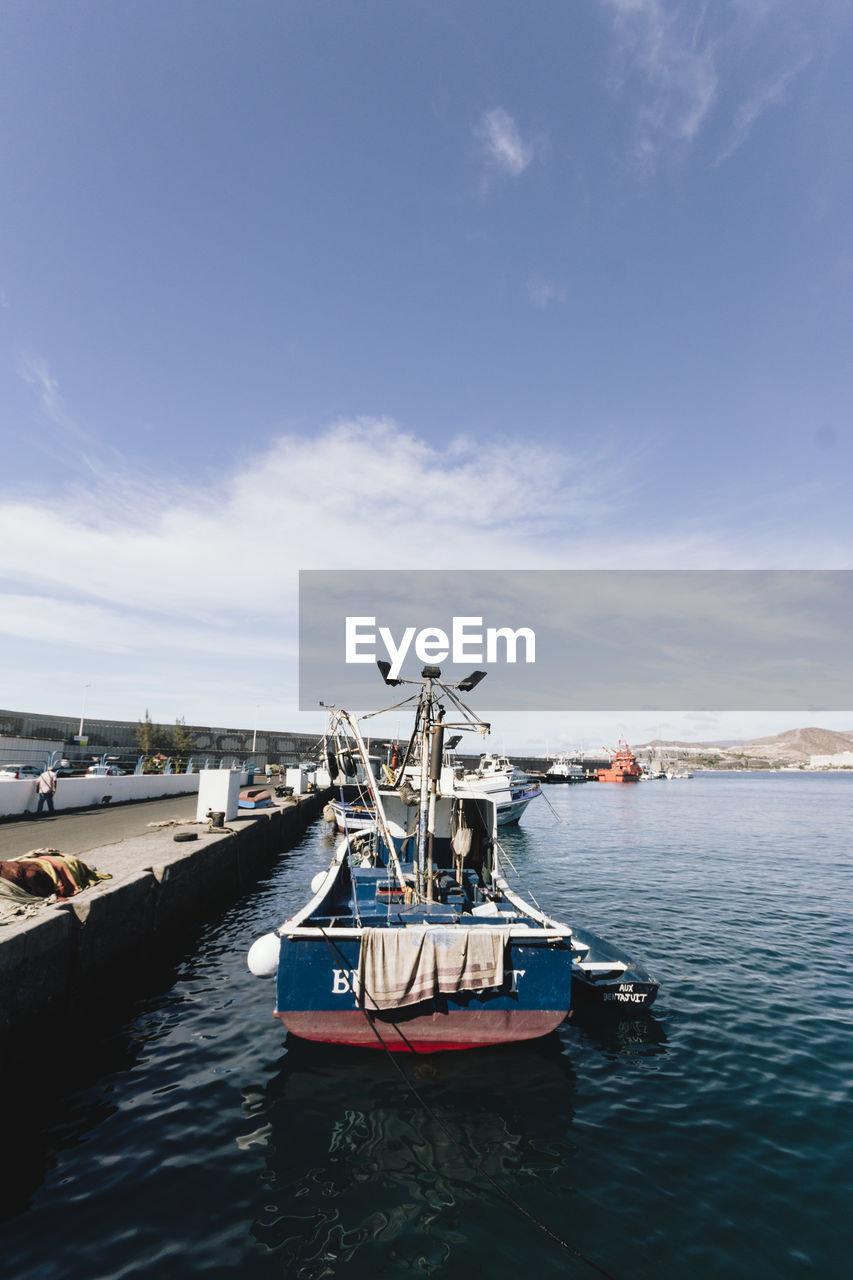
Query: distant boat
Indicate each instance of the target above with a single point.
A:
(500, 780)
(563, 769)
(623, 767)
(653, 771)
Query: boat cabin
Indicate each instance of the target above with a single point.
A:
(448, 881)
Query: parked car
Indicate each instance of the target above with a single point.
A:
(103, 771)
(19, 771)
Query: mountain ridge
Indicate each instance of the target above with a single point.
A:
(793, 746)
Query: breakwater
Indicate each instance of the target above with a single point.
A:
(74, 962)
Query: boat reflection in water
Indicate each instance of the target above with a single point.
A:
(638, 1034)
(363, 1178)
(358, 1169)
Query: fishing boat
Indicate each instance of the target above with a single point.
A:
(413, 940)
(495, 776)
(623, 767)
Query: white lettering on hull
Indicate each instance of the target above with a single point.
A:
(626, 994)
(345, 981)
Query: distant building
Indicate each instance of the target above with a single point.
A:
(56, 732)
(841, 760)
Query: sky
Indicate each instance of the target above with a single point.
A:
(321, 285)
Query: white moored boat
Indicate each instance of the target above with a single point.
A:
(500, 780)
(563, 769)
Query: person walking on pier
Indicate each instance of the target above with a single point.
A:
(46, 788)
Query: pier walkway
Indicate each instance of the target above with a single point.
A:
(80, 830)
(66, 961)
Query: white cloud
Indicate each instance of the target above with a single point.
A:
(142, 586)
(364, 492)
(506, 151)
(195, 588)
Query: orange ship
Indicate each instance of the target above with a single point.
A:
(623, 766)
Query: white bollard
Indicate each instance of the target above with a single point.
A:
(218, 792)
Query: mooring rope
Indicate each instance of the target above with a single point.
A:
(551, 807)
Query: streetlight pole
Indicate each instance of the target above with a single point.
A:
(255, 730)
(83, 710)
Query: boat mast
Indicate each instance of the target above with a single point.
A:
(420, 853)
(436, 756)
(381, 820)
(431, 755)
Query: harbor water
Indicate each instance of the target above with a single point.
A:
(712, 1137)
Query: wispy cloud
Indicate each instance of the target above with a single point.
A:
(36, 374)
(542, 293)
(68, 438)
(660, 47)
(771, 94)
(506, 152)
(678, 63)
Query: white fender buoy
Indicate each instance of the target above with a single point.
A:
(328, 813)
(263, 955)
(317, 881)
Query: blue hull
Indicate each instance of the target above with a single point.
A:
(316, 1001)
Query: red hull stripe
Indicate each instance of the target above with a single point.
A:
(428, 1033)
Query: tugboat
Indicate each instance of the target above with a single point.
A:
(623, 767)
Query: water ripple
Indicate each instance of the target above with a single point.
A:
(709, 1138)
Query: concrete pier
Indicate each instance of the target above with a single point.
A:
(73, 961)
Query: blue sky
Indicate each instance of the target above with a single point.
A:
(327, 285)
